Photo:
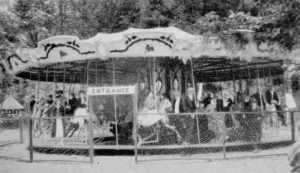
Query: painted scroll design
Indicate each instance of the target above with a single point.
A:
(3, 69)
(15, 56)
(72, 45)
(130, 41)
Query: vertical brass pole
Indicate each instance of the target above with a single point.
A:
(135, 124)
(195, 100)
(115, 103)
(90, 126)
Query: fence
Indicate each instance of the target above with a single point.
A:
(11, 131)
(209, 135)
(215, 135)
(67, 139)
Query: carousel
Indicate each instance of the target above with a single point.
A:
(108, 78)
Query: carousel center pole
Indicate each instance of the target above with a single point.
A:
(115, 103)
(195, 99)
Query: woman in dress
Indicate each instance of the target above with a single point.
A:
(37, 113)
(146, 118)
(175, 92)
(58, 112)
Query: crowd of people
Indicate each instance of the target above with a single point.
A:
(244, 120)
(246, 125)
(42, 109)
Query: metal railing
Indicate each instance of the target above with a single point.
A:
(45, 136)
(220, 133)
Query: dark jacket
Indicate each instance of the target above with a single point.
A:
(269, 97)
(220, 105)
(188, 105)
(73, 103)
(80, 104)
(257, 98)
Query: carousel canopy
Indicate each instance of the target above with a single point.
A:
(11, 104)
(69, 56)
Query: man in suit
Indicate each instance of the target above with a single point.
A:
(272, 98)
(224, 103)
(188, 106)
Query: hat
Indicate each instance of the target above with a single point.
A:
(253, 100)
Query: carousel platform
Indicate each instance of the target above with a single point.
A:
(78, 145)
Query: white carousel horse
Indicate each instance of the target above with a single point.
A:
(158, 116)
(80, 117)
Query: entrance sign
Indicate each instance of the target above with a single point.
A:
(116, 90)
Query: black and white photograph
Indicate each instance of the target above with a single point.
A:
(150, 86)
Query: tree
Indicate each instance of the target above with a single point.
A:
(36, 19)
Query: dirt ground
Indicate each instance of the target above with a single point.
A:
(111, 164)
(14, 158)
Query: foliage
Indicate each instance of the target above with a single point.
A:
(273, 21)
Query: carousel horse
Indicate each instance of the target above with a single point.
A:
(156, 121)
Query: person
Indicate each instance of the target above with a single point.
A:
(50, 99)
(37, 114)
(273, 99)
(164, 106)
(72, 103)
(189, 106)
(258, 97)
(32, 104)
(253, 123)
(224, 104)
(46, 124)
(144, 118)
(58, 111)
(142, 94)
(175, 92)
(102, 117)
(158, 86)
(80, 115)
(290, 103)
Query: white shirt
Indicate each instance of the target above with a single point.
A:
(290, 101)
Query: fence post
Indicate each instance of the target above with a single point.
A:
(30, 141)
(224, 135)
(198, 130)
(91, 141)
(293, 126)
(21, 129)
(134, 103)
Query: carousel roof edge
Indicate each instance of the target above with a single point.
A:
(133, 42)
